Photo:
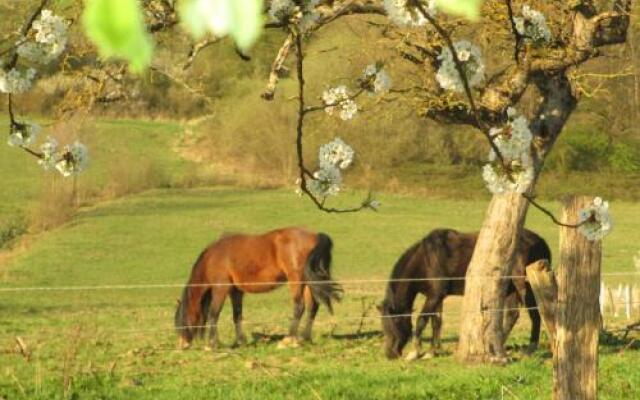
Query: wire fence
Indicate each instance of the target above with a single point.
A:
(344, 282)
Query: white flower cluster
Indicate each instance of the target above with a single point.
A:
(337, 100)
(333, 157)
(287, 11)
(326, 182)
(15, 81)
(514, 143)
(405, 14)
(595, 220)
(23, 134)
(375, 79)
(533, 25)
(74, 159)
(50, 39)
(473, 66)
(49, 151)
(335, 154)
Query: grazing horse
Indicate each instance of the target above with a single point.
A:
(446, 253)
(237, 264)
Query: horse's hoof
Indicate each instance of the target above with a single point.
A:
(499, 360)
(183, 344)
(428, 355)
(412, 356)
(288, 342)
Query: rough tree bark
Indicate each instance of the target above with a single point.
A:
(575, 361)
(484, 291)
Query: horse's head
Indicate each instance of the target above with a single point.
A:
(185, 332)
(396, 326)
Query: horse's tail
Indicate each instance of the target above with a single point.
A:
(190, 321)
(317, 272)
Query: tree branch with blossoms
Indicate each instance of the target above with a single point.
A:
(337, 155)
(42, 39)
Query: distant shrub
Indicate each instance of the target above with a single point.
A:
(625, 157)
(12, 228)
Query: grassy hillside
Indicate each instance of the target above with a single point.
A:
(107, 343)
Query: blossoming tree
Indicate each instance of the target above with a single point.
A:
(547, 40)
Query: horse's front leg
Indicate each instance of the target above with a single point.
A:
(217, 301)
(436, 325)
(429, 311)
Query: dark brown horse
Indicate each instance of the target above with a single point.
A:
(238, 264)
(446, 253)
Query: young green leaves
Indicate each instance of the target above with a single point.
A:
(117, 28)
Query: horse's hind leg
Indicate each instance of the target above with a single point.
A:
(534, 314)
(236, 303)
(312, 309)
(298, 309)
(511, 314)
(217, 301)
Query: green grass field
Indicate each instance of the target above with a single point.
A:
(106, 343)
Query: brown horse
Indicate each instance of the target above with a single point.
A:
(446, 253)
(238, 264)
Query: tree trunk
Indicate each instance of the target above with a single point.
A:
(481, 334)
(575, 362)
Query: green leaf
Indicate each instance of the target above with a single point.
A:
(117, 28)
(241, 19)
(466, 8)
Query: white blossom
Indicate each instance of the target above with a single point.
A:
(516, 180)
(374, 204)
(514, 139)
(533, 25)
(326, 182)
(287, 11)
(281, 10)
(49, 153)
(337, 100)
(23, 134)
(472, 64)
(50, 39)
(375, 79)
(595, 220)
(514, 143)
(336, 154)
(15, 81)
(404, 14)
(74, 159)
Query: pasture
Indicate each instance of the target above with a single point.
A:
(118, 342)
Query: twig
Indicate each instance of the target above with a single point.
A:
(550, 214)
(22, 347)
(276, 67)
(197, 48)
(304, 172)
(517, 36)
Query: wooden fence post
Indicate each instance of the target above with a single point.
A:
(575, 362)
